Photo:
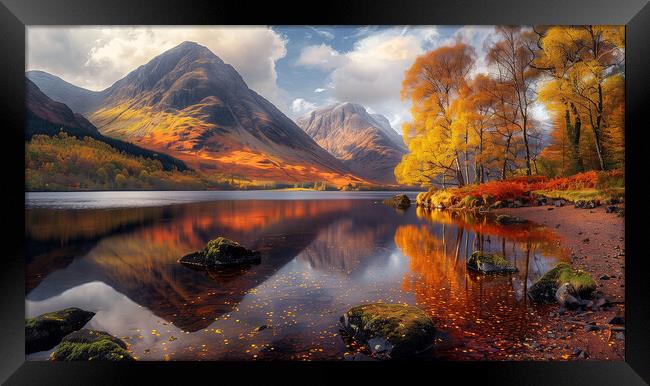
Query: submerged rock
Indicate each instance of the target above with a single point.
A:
(88, 345)
(389, 330)
(544, 289)
(220, 252)
(489, 263)
(401, 201)
(505, 219)
(46, 331)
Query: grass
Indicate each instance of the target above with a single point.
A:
(585, 186)
(582, 194)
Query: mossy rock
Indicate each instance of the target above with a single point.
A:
(505, 219)
(401, 201)
(221, 252)
(544, 289)
(489, 263)
(91, 345)
(390, 330)
(46, 331)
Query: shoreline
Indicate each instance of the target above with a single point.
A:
(596, 241)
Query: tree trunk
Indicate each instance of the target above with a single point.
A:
(598, 129)
(528, 169)
(573, 132)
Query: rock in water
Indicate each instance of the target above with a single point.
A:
(505, 219)
(389, 330)
(567, 296)
(46, 331)
(401, 201)
(87, 345)
(221, 252)
(489, 263)
(544, 289)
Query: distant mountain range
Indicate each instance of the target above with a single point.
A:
(46, 116)
(365, 143)
(191, 105)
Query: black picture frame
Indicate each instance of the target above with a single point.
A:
(15, 15)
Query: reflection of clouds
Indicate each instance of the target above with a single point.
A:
(116, 313)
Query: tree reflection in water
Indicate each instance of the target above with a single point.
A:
(485, 315)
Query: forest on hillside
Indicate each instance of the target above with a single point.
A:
(472, 129)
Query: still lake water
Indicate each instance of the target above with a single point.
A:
(115, 253)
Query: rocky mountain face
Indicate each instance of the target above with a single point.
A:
(188, 103)
(46, 116)
(365, 143)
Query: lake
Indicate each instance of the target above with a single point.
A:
(116, 253)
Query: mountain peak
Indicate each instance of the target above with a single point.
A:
(365, 143)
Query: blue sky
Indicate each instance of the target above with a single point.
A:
(298, 68)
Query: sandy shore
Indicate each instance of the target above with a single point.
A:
(596, 241)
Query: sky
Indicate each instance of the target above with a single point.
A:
(297, 68)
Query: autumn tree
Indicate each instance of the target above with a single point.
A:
(512, 55)
(584, 64)
(433, 84)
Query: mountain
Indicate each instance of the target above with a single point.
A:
(188, 103)
(365, 143)
(76, 98)
(45, 116)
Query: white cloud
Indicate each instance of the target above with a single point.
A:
(301, 106)
(95, 57)
(321, 56)
(477, 37)
(371, 73)
(319, 89)
(323, 33)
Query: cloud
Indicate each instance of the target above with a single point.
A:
(371, 72)
(323, 33)
(321, 56)
(301, 106)
(478, 37)
(96, 57)
(319, 89)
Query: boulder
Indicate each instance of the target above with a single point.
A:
(221, 252)
(567, 296)
(87, 345)
(389, 330)
(505, 219)
(489, 263)
(46, 331)
(401, 201)
(545, 288)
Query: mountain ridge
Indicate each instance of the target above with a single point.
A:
(365, 143)
(189, 103)
(49, 117)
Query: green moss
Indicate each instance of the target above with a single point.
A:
(45, 331)
(489, 263)
(543, 290)
(405, 327)
(86, 345)
(218, 246)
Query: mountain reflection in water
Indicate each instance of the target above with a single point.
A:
(319, 257)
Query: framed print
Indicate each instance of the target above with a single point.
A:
(423, 187)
